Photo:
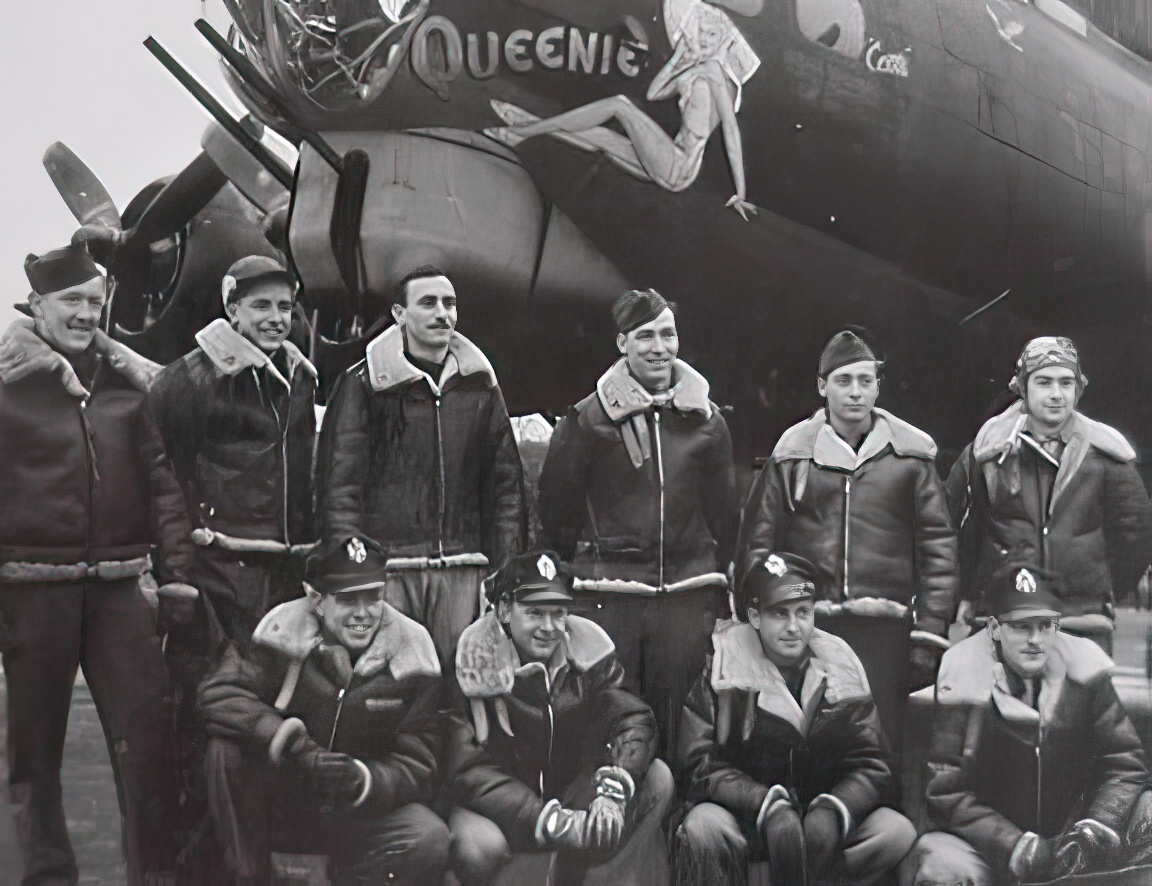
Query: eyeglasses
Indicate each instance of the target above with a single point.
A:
(1024, 628)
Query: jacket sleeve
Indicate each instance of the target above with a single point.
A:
(709, 778)
(502, 496)
(952, 806)
(234, 698)
(938, 571)
(408, 773)
(764, 519)
(564, 484)
(1127, 528)
(171, 525)
(718, 490)
(475, 780)
(343, 459)
(865, 778)
(1121, 770)
(967, 506)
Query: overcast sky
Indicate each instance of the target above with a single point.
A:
(76, 71)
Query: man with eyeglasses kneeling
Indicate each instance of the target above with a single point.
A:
(1037, 772)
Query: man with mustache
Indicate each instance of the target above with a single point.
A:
(325, 733)
(417, 451)
(1036, 772)
(87, 493)
(239, 425)
(1044, 483)
(639, 491)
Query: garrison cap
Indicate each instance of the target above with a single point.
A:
(245, 272)
(1024, 592)
(356, 564)
(844, 349)
(60, 269)
(534, 577)
(775, 579)
(637, 307)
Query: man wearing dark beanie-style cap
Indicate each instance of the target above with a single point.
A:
(91, 506)
(854, 489)
(638, 493)
(1044, 483)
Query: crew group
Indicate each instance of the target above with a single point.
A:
(411, 695)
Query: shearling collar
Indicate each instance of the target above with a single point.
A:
(739, 664)
(486, 660)
(401, 646)
(972, 673)
(23, 352)
(815, 439)
(621, 395)
(231, 353)
(388, 368)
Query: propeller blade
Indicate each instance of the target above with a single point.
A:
(180, 202)
(82, 191)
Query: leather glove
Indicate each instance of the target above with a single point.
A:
(335, 779)
(614, 789)
(177, 605)
(823, 839)
(925, 660)
(782, 836)
(1087, 845)
(560, 828)
(1034, 859)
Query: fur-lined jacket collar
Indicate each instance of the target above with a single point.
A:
(23, 352)
(623, 396)
(401, 646)
(739, 664)
(999, 440)
(231, 353)
(815, 440)
(971, 673)
(389, 368)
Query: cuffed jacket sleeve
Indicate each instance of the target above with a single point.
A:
(952, 805)
(709, 778)
(765, 515)
(968, 508)
(502, 496)
(344, 456)
(718, 490)
(1127, 527)
(865, 779)
(407, 773)
(564, 483)
(234, 698)
(936, 553)
(172, 526)
(1120, 765)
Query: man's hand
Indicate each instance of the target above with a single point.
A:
(1088, 845)
(925, 660)
(335, 779)
(614, 789)
(177, 605)
(1034, 859)
(823, 839)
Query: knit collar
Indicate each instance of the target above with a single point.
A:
(815, 439)
(23, 352)
(231, 353)
(401, 646)
(622, 395)
(739, 664)
(388, 367)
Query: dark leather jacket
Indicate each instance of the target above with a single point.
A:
(1096, 532)
(1000, 767)
(383, 711)
(638, 492)
(83, 472)
(741, 730)
(519, 736)
(875, 523)
(425, 469)
(241, 436)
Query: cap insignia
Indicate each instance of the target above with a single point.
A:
(357, 553)
(546, 567)
(1025, 582)
(776, 565)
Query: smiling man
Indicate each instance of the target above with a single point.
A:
(88, 492)
(638, 489)
(854, 490)
(545, 752)
(1043, 483)
(785, 757)
(417, 451)
(1036, 771)
(325, 732)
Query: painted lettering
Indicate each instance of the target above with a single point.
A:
(550, 47)
(580, 53)
(436, 78)
(474, 55)
(516, 51)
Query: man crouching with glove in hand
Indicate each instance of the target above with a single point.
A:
(545, 752)
(782, 749)
(326, 734)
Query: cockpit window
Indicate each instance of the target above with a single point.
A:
(836, 24)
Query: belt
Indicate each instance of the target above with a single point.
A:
(107, 570)
(876, 607)
(451, 561)
(208, 537)
(640, 589)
